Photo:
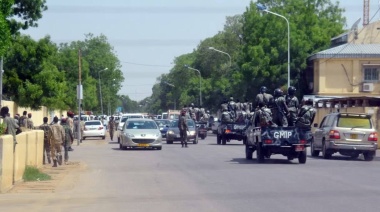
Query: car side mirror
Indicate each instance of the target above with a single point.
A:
(315, 125)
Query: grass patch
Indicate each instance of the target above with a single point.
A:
(33, 174)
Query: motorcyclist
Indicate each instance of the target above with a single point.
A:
(293, 105)
(279, 109)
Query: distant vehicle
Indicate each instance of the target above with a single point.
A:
(214, 126)
(94, 128)
(164, 115)
(140, 133)
(350, 134)
(163, 124)
(123, 119)
(173, 132)
(84, 117)
(159, 117)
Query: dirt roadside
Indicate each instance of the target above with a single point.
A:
(63, 177)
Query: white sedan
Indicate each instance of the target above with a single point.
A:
(94, 128)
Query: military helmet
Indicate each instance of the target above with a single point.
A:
(292, 90)
(263, 89)
(278, 92)
(192, 104)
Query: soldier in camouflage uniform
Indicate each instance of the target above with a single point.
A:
(293, 105)
(183, 128)
(111, 127)
(45, 127)
(232, 107)
(306, 114)
(279, 110)
(70, 122)
(68, 139)
(192, 112)
(29, 122)
(56, 137)
(22, 121)
(263, 97)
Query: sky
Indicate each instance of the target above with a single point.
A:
(148, 34)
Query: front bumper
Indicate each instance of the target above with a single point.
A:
(177, 137)
(142, 143)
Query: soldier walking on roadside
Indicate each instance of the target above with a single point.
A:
(68, 139)
(45, 127)
(70, 122)
(183, 128)
(111, 127)
(56, 137)
(293, 105)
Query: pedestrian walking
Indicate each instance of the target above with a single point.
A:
(46, 127)
(56, 137)
(68, 139)
(29, 122)
(22, 121)
(183, 128)
(70, 123)
(111, 127)
(10, 123)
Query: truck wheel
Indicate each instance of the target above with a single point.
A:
(169, 142)
(259, 154)
(302, 157)
(218, 139)
(245, 140)
(248, 153)
(224, 140)
(325, 154)
(368, 156)
(314, 153)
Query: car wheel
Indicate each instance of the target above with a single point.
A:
(224, 140)
(368, 156)
(169, 142)
(314, 153)
(104, 137)
(121, 147)
(218, 139)
(325, 153)
(259, 154)
(159, 148)
(195, 141)
(302, 157)
(84, 138)
(248, 153)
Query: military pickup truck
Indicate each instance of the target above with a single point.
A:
(288, 141)
(230, 131)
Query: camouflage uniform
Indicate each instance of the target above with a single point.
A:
(45, 127)
(182, 126)
(56, 137)
(68, 139)
(23, 122)
(70, 122)
(111, 128)
(306, 116)
(279, 112)
(293, 104)
(264, 98)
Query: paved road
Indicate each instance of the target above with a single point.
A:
(206, 177)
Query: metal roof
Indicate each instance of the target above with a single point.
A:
(349, 51)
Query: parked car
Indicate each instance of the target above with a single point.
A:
(350, 134)
(140, 133)
(94, 128)
(173, 132)
(163, 124)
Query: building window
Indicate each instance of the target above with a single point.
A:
(371, 74)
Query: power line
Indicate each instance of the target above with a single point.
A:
(150, 65)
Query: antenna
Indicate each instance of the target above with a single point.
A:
(354, 28)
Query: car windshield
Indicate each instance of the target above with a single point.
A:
(141, 125)
(162, 122)
(190, 123)
(354, 122)
(89, 123)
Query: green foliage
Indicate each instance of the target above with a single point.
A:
(3, 128)
(33, 174)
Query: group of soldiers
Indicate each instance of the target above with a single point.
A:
(198, 114)
(267, 110)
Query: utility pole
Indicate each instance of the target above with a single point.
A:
(1, 81)
(80, 95)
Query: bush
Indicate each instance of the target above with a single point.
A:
(33, 174)
(2, 128)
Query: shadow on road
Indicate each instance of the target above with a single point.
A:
(267, 161)
(343, 158)
(226, 144)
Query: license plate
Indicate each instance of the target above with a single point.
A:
(299, 148)
(354, 136)
(143, 145)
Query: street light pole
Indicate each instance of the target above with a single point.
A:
(264, 8)
(200, 84)
(100, 90)
(217, 50)
(171, 85)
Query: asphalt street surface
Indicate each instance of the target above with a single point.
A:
(206, 177)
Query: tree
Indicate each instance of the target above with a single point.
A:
(5, 32)
(264, 61)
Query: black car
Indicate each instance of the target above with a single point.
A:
(173, 132)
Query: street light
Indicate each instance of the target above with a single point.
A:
(200, 78)
(217, 50)
(261, 7)
(100, 90)
(171, 85)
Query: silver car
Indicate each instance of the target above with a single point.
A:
(349, 134)
(140, 133)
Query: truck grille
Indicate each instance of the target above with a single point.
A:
(143, 141)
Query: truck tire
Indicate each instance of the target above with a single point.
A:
(302, 157)
(368, 156)
(259, 154)
(224, 140)
(248, 152)
(245, 140)
(169, 142)
(314, 153)
(218, 139)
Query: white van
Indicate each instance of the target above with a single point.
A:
(84, 117)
